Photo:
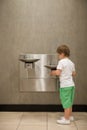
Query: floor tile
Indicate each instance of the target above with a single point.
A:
(8, 127)
(82, 128)
(34, 113)
(80, 118)
(32, 127)
(81, 122)
(53, 116)
(9, 121)
(10, 115)
(80, 115)
(61, 127)
(33, 118)
(7, 118)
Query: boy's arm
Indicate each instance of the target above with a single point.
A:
(56, 72)
(74, 73)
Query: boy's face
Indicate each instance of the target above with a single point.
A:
(61, 56)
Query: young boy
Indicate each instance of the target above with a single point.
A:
(65, 71)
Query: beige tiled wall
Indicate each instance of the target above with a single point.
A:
(39, 26)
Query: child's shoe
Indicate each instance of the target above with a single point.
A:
(63, 121)
(71, 118)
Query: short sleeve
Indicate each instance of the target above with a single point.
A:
(60, 65)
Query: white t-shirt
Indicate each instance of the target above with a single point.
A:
(67, 67)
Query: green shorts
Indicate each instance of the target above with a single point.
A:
(67, 96)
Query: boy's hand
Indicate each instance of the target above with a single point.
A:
(52, 73)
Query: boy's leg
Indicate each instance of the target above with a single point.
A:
(67, 113)
(71, 111)
(66, 119)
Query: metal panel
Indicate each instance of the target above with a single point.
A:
(35, 76)
(38, 85)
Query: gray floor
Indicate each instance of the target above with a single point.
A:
(40, 121)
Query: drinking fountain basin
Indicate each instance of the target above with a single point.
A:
(51, 67)
(27, 60)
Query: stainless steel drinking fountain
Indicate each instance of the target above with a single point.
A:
(35, 72)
